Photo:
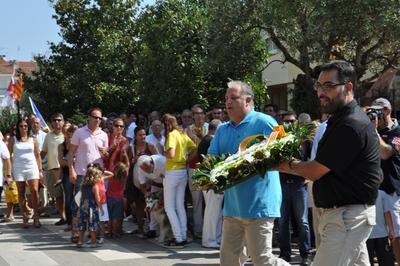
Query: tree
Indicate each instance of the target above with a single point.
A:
(167, 57)
(172, 55)
(364, 32)
(235, 49)
(95, 63)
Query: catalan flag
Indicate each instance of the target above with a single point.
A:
(18, 89)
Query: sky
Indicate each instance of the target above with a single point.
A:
(27, 28)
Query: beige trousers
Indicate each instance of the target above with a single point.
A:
(256, 233)
(344, 232)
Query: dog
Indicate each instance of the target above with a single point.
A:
(155, 205)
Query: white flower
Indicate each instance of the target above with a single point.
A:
(249, 158)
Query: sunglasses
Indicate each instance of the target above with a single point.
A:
(120, 126)
(96, 117)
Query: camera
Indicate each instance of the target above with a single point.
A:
(374, 114)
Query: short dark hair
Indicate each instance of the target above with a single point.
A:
(274, 106)
(198, 105)
(345, 71)
(56, 115)
(91, 110)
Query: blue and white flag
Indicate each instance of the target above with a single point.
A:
(35, 110)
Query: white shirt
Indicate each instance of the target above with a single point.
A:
(158, 172)
(4, 155)
(153, 140)
(40, 136)
(130, 132)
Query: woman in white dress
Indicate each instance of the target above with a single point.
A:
(27, 168)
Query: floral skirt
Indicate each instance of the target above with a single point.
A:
(88, 216)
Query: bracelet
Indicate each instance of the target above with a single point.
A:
(290, 164)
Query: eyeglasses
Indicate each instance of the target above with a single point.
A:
(96, 117)
(327, 86)
(289, 121)
(120, 126)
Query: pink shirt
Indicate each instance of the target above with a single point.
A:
(88, 144)
(102, 191)
(115, 188)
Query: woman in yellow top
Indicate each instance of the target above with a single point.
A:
(177, 146)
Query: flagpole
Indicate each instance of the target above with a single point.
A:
(18, 110)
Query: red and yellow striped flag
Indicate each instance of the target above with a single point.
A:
(18, 89)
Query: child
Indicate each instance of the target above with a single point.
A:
(90, 206)
(11, 193)
(378, 242)
(115, 198)
(103, 201)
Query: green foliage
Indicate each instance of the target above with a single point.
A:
(309, 32)
(78, 118)
(172, 55)
(8, 120)
(166, 57)
(94, 65)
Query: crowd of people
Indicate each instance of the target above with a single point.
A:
(100, 173)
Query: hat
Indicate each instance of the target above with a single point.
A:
(381, 103)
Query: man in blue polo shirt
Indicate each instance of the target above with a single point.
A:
(250, 207)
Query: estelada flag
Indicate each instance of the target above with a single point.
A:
(18, 88)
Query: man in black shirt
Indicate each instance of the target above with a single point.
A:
(389, 131)
(346, 171)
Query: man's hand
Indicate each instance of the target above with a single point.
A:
(72, 176)
(396, 143)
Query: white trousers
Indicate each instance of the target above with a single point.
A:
(256, 233)
(174, 195)
(212, 227)
(197, 201)
(344, 232)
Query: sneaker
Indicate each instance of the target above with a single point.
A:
(79, 245)
(61, 222)
(175, 244)
(306, 261)
(100, 240)
(8, 219)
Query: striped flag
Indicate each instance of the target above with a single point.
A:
(8, 100)
(18, 88)
(35, 110)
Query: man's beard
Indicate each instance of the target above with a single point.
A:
(332, 105)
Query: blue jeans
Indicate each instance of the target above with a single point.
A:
(69, 197)
(294, 204)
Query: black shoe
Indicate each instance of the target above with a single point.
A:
(175, 244)
(151, 234)
(285, 257)
(306, 261)
(61, 222)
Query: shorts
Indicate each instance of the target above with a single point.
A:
(51, 178)
(115, 208)
(11, 193)
(104, 217)
(395, 213)
(22, 175)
